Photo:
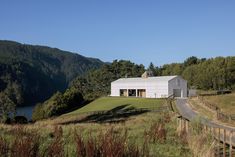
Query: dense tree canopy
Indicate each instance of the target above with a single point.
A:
(97, 82)
(7, 107)
(214, 73)
(58, 104)
(33, 73)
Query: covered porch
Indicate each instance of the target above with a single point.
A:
(133, 93)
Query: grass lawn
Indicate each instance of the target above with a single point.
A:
(225, 102)
(109, 103)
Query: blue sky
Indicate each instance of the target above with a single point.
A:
(158, 31)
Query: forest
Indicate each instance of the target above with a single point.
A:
(31, 73)
(207, 74)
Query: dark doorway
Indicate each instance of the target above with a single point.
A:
(132, 92)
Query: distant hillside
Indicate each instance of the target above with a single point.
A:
(30, 74)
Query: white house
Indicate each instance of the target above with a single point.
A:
(150, 87)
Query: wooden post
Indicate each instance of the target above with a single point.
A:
(205, 128)
(187, 126)
(224, 143)
(230, 144)
(218, 142)
(180, 124)
(213, 133)
(184, 125)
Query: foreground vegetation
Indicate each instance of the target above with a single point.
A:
(107, 127)
(148, 134)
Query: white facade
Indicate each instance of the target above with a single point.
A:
(150, 87)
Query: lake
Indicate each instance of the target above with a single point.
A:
(26, 111)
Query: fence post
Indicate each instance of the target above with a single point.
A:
(213, 132)
(178, 124)
(187, 127)
(218, 142)
(230, 144)
(224, 144)
(205, 128)
(180, 121)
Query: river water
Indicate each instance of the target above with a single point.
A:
(26, 111)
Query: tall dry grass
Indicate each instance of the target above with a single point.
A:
(108, 144)
(201, 143)
(56, 147)
(4, 147)
(24, 143)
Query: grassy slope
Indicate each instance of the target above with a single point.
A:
(201, 110)
(225, 102)
(108, 103)
(135, 125)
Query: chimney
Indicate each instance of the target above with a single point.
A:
(147, 74)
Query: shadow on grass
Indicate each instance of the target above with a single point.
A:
(115, 115)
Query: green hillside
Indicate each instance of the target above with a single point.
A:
(225, 102)
(31, 74)
(109, 103)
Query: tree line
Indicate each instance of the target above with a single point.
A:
(207, 74)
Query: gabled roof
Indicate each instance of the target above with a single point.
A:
(148, 79)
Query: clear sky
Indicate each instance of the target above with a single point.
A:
(161, 31)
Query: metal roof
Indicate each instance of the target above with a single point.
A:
(148, 79)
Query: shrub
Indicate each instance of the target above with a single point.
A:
(58, 104)
(38, 112)
(20, 120)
